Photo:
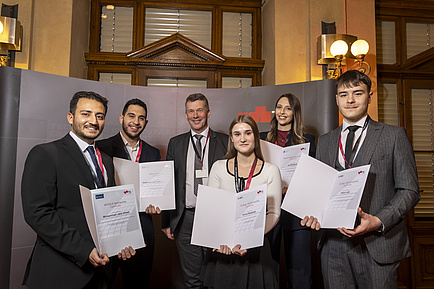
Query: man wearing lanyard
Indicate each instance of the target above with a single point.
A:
(194, 153)
(368, 256)
(64, 255)
(127, 144)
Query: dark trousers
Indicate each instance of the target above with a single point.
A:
(190, 256)
(297, 246)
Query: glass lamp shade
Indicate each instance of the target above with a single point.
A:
(1, 27)
(339, 47)
(359, 47)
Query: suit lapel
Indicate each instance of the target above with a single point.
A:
(120, 148)
(212, 148)
(73, 150)
(372, 138)
(334, 143)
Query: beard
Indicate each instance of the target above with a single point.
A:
(130, 135)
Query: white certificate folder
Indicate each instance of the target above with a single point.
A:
(112, 218)
(285, 158)
(154, 182)
(329, 195)
(226, 218)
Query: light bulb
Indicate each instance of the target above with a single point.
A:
(360, 47)
(339, 47)
(1, 27)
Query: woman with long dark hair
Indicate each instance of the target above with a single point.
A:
(244, 168)
(287, 129)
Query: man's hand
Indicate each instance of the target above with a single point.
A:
(284, 189)
(368, 223)
(311, 222)
(96, 260)
(237, 250)
(223, 250)
(126, 253)
(168, 234)
(151, 210)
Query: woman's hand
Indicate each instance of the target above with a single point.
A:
(237, 250)
(310, 222)
(223, 250)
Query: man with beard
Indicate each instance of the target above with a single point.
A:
(127, 144)
(64, 255)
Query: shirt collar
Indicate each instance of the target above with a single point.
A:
(81, 143)
(126, 143)
(204, 133)
(360, 123)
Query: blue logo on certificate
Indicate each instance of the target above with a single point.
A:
(99, 196)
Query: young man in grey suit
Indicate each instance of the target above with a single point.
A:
(368, 256)
(136, 272)
(64, 255)
(194, 153)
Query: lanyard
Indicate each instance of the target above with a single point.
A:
(139, 152)
(196, 151)
(100, 162)
(249, 179)
(356, 145)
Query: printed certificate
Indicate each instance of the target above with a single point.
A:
(227, 218)
(155, 182)
(112, 218)
(329, 195)
(285, 159)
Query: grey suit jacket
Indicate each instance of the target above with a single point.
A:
(52, 207)
(392, 188)
(177, 151)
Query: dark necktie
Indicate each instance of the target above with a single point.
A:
(349, 144)
(197, 162)
(101, 182)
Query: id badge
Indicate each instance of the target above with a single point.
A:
(201, 173)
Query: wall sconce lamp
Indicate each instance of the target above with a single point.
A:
(333, 50)
(11, 33)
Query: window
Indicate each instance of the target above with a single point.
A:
(237, 34)
(196, 25)
(116, 29)
(386, 45)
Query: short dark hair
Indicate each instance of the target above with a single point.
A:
(135, 101)
(353, 78)
(196, 96)
(88, 95)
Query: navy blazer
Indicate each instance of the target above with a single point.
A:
(114, 147)
(53, 209)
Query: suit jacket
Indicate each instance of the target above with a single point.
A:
(391, 190)
(177, 151)
(114, 147)
(52, 207)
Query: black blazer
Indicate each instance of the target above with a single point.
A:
(288, 220)
(177, 151)
(115, 147)
(52, 207)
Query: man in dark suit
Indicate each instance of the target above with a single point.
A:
(194, 153)
(127, 144)
(368, 256)
(64, 255)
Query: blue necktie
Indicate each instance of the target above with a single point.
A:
(101, 182)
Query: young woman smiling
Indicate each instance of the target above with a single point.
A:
(287, 129)
(244, 168)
